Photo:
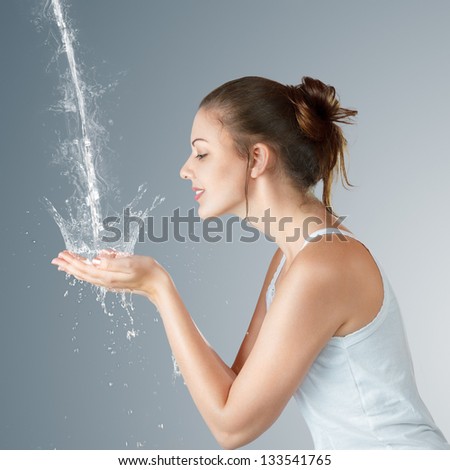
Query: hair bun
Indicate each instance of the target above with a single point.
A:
(318, 108)
(298, 122)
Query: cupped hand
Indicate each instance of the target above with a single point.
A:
(116, 271)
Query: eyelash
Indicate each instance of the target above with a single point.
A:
(200, 156)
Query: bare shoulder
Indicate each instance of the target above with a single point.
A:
(347, 273)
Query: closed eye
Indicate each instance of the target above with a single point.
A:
(200, 156)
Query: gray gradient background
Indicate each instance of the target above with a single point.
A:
(388, 59)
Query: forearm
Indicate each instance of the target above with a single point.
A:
(207, 377)
(233, 406)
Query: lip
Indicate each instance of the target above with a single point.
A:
(197, 196)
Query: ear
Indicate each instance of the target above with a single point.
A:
(262, 157)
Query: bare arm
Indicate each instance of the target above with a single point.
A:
(306, 311)
(294, 331)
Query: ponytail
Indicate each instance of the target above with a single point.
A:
(318, 113)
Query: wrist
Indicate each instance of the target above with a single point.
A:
(158, 289)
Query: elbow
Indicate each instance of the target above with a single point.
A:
(233, 439)
(234, 430)
(230, 446)
(228, 441)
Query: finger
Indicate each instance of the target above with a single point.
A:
(80, 269)
(76, 256)
(104, 254)
(92, 275)
(73, 258)
(108, 253)
(114, 264)
(82, 265)
(112, 254)
(91, 269)
(66, 263)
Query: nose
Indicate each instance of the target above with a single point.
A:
(186, 172)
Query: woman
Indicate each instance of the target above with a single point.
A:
(332, 334)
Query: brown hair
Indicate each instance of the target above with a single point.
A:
(300, 122)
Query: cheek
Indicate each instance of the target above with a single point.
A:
(230, 185)
(234, 175)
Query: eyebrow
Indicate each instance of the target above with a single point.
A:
(195, 140)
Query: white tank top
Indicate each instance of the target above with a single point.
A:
(360, 392)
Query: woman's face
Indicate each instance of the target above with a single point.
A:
(215, 169)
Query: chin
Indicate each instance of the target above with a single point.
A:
(227, 207)
(205, 213)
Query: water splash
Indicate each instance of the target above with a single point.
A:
(84, 145)
(80, 153)
(176, 370)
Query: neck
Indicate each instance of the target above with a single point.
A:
(287, 217)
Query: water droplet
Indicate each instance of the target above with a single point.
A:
(176, 370)
(131, 334)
